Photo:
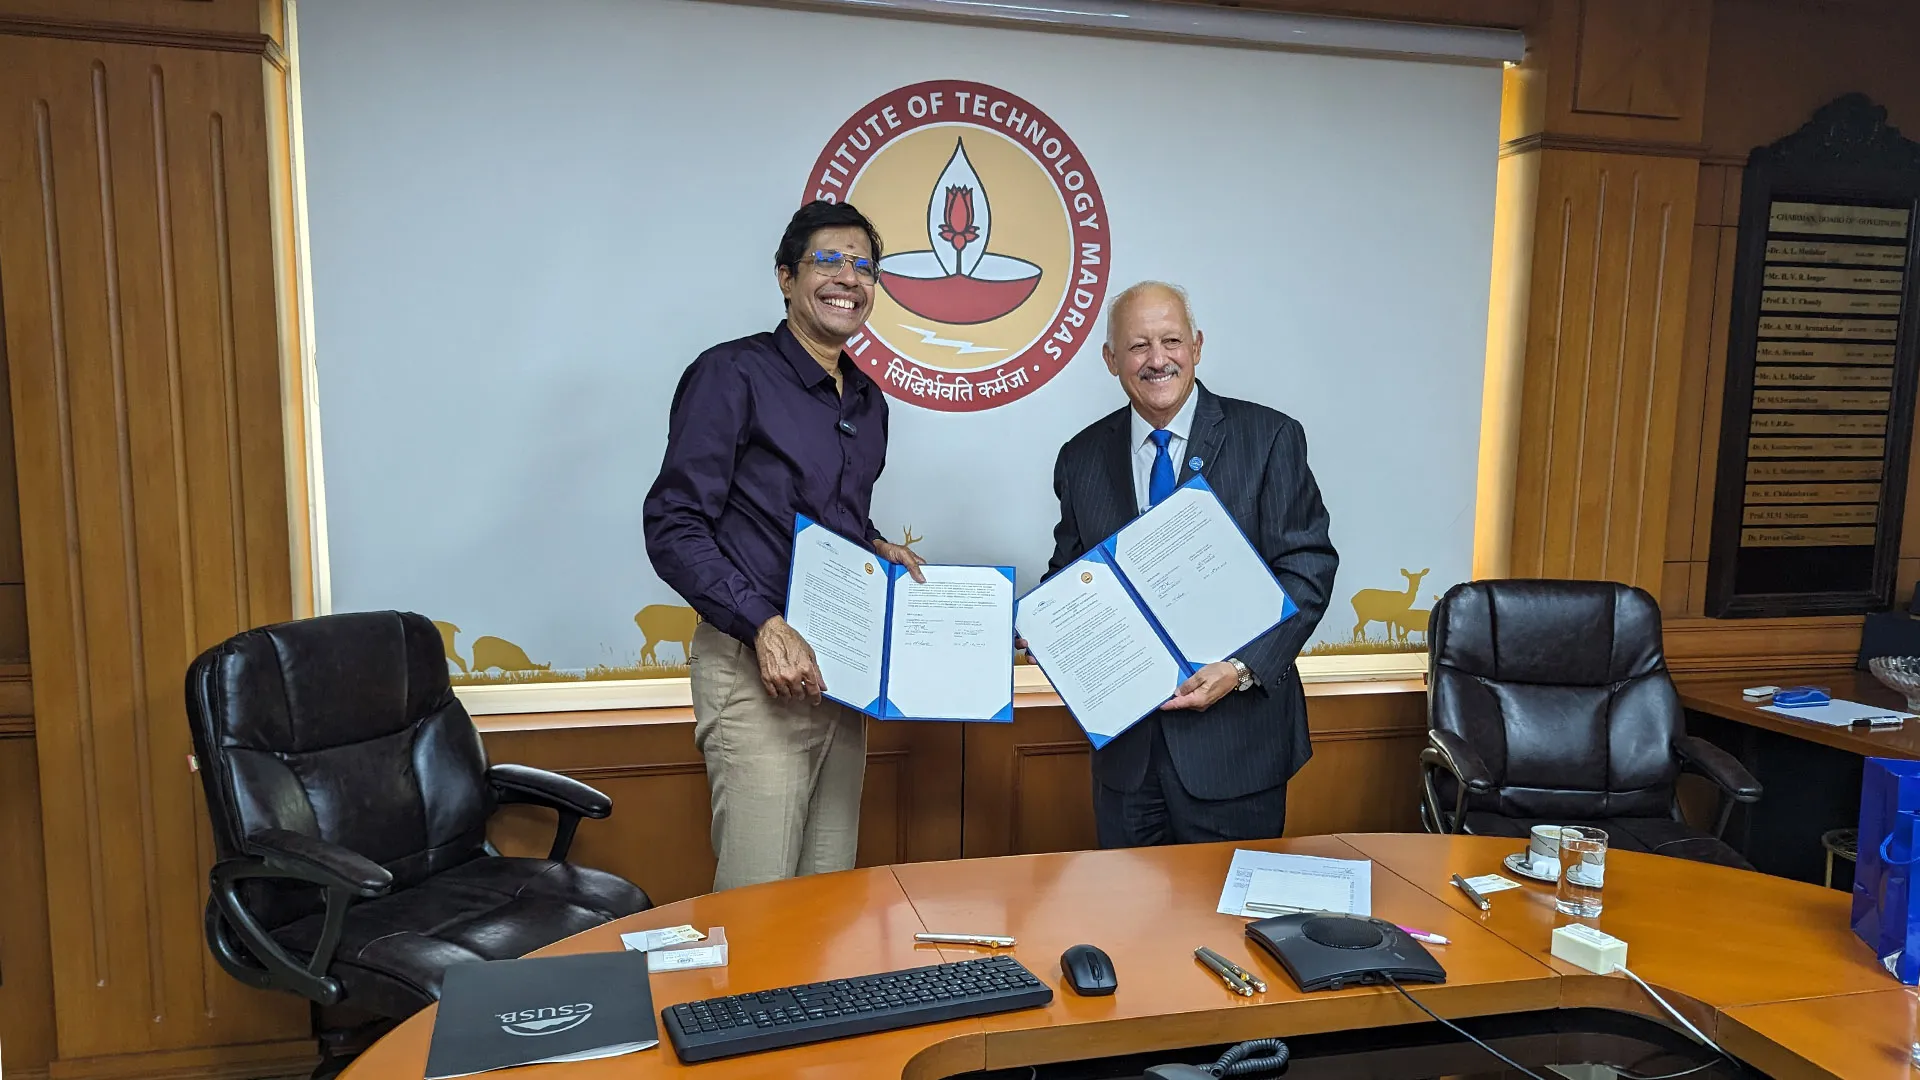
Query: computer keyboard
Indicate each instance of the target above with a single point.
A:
(747, 1023)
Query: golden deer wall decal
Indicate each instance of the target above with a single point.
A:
(1412, 621)
(492, 652)
(662, 623)
(1385, 605)
(447, 631)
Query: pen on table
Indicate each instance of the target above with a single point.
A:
(1245, 976)
(1426, 936)
(1472, 893)
(1234, 982)
(991, 941)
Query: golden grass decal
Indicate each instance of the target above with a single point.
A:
(599, 673)
(1363, 647)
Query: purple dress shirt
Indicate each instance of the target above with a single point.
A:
(756, 436)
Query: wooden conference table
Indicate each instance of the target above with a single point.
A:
(1810, 772)
(1766, 966)
(1721, 698)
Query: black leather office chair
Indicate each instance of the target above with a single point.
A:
(349, 795)
(1548, 702)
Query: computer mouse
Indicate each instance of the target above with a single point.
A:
(1088, 970)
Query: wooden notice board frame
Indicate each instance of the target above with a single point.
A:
(1818, 417)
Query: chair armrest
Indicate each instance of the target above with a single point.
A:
(1460, 759)
(1449, 753)
(311, 859)
(1725, 770)
(525, 784)
(573, 799)
(247, 950)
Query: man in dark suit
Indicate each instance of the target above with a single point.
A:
(1214, 762)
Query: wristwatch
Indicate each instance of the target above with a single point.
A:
(1240, 669)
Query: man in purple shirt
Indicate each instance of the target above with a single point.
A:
(762, 429)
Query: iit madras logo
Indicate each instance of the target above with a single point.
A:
(998, 241)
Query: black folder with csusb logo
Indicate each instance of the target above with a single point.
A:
(504, 1013)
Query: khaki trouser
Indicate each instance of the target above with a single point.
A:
(784, 777)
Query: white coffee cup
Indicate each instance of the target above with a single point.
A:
(1543, 850)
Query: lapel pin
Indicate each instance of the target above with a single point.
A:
(1194, 464)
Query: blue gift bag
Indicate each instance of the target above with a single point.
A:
(1886, 906)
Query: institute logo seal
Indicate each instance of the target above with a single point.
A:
(996, 235)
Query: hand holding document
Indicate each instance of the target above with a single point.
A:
(1261, 884)
(1121, 628)
(900, 649)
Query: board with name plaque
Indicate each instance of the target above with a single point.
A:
(1818, 417)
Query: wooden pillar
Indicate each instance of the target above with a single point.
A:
(144, 249)
(1602, 130)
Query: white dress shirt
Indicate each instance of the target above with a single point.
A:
(1144, 451)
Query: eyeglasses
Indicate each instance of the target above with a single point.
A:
(830, 263)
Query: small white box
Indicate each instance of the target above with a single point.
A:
(1583, 946)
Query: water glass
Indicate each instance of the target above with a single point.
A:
(1583, 871)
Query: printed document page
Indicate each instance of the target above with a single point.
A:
(1097, 649)
(1262, 884)
(1193, 569)
(951, 654)
(838, 602)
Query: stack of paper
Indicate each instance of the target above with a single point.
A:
(1261, 884)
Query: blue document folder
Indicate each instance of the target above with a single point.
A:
(1183, 544)
(895, 649)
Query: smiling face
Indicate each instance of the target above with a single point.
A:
(1153, 348)
(827, 306)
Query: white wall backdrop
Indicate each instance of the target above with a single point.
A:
(527, 217)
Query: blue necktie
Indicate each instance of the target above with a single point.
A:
(1160, 480)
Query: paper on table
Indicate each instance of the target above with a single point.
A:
(647, 940)
(1836, 713)
(1295, 883)
(951, 653)
(838, 602)
(1491, 883)
(1097, 649)
(1194, 570)
(672, 950)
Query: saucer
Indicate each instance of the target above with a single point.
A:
(1521, 866)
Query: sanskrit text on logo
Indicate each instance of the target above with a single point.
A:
(998, 236)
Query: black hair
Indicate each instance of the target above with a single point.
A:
(811, 218)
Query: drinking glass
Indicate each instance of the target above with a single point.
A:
(1583, 871)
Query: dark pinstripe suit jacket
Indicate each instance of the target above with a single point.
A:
(1255, 459)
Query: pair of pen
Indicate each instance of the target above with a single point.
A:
(1238, 979)
(1473, 894)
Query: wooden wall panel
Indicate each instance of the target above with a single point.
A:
(1612, 252)
(1029, 784)
(1773, 62)
(1364, 775)
(658, 834)
(26, 962)
(201, 21)
(1615, 72)
(136, 263)
(1638, 58)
